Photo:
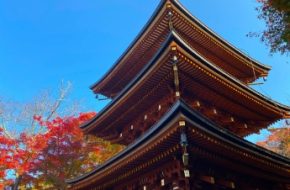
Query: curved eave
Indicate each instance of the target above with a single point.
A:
(129, 49)
(181, 110)
(264, 67)
(173, 37)
(193, 19)
(165, 46)
(213, 67)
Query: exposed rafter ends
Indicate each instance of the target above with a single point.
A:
(182, 105)
(188, 60)
(228, 120)
(201, 132)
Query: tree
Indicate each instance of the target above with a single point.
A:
(50, 147)
(278, 141)
(47, 159)
(19, 156)
(276, 14)
(22, 138)
(6, 159)
(16, 117)
(67, 153)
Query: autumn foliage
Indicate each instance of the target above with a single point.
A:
(278, 141)
(276, 14)
(45, 160)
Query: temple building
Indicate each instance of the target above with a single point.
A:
(182, 105)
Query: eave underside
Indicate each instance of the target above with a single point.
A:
(209, 148)
(200, 82)
(197, 35)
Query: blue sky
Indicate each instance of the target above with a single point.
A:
(45, 42)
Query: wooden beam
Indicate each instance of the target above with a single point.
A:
(113, 135)
(211, 112)
(227, 120)
(207, 179)
(196, 104)
(241, 125)
(226, 183)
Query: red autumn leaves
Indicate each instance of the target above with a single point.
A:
(34, 157)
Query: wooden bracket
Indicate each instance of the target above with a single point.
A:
(176, 76)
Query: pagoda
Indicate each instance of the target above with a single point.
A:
(181, 103)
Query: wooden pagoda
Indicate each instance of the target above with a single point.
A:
(182, 105)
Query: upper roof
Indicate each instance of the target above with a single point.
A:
(198, 36)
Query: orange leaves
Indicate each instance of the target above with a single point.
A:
(278, 141)
(87, 116)
(66, 153)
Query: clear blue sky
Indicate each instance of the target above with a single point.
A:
(45, 42)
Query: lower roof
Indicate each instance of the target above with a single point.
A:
(181, 111)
